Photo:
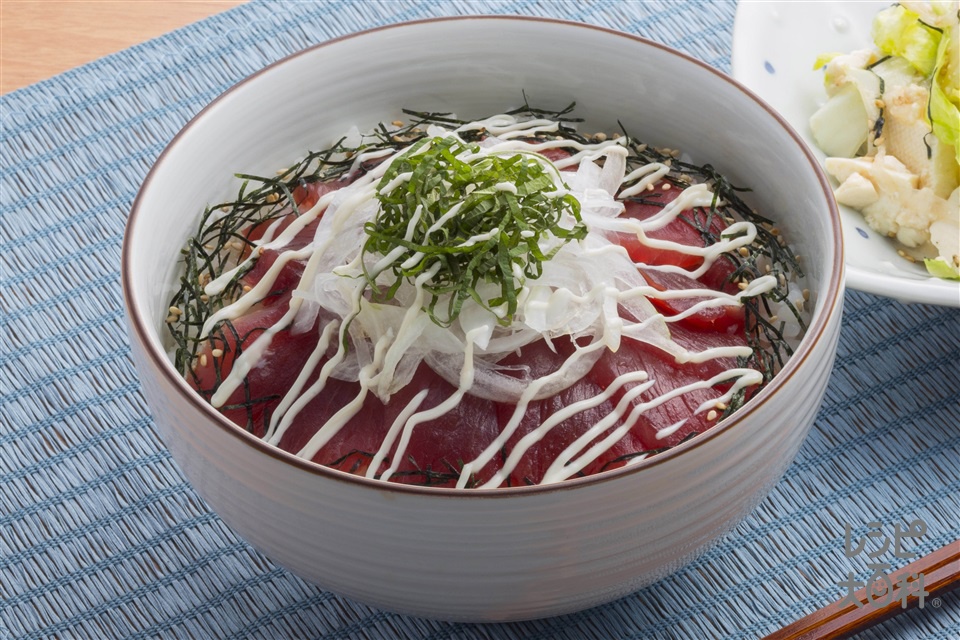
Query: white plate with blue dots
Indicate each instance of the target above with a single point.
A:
(775, 45)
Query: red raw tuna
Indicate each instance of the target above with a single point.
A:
(642, 436)
(252, 403)
(667, 374)
(684, 229)
(352, 448)
(438, 448)
(305, 195)
(535, 461)
(285, 282)
(555, 154)
(726, 319)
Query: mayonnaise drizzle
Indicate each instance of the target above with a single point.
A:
(397, 339)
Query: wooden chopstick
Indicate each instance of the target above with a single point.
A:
(842, 619)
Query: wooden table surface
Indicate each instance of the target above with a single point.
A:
(41, 38)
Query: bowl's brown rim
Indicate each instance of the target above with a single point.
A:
(832, 294)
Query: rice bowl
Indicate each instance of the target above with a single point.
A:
(515, 552)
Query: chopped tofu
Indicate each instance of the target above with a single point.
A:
(857, 192)
(906, 134)
(945, 232)
(890, 196)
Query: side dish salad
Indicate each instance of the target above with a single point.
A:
(484, 303)
(891, 130)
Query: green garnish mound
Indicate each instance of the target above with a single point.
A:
(483, 218)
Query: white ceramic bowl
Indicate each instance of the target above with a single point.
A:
(510, 553)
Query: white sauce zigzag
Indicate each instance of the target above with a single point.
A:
(579, 295)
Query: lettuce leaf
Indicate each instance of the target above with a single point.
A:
(898, 31)
(940, 268)
(933, 51)
(944, 108)
(823, 59)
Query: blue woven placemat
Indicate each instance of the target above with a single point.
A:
(101, 536)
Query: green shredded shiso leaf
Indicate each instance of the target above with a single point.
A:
(493, 234)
